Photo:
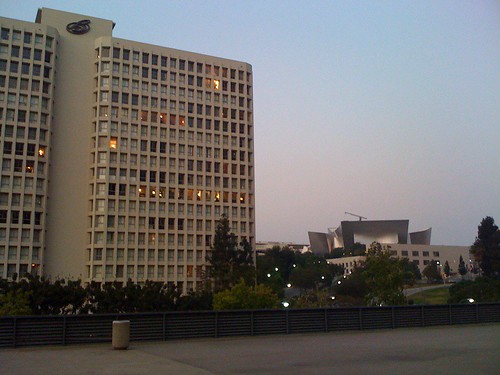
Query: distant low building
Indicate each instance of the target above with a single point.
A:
(392, 234)
(262, 247)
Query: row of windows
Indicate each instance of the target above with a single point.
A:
(19, 165)
(177, 135)
(27, 235)
(22, 116)
(19, 182)
(28, 38)
(25, 68)
(28, 149)
(189, 107)
(174, 78)
(152, 239)
(34, 101)
(170, 223)
(27, 53)
(24, 84)
(151, 255)
(416, 253)
(20, 131)
(154, 191)
(150, 93)
(121, 206)
(164, 148)
(20, 217)
(173, 63)
(19, 269)
(165, 118)
(15, 200)
(23, 252)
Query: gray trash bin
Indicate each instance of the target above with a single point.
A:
(121, 334)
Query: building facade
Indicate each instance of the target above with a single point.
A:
(118, 157)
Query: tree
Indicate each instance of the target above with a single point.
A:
(385, 277)
(228, 262)
(446, 269)
(486, 247)
(244, 297)
(15, 302)
(431, 272)
(412, 272)
(482, 289)
(462, 269)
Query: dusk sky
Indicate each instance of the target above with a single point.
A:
(387, 109)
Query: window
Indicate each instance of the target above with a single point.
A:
(435, 253)
(414, 253)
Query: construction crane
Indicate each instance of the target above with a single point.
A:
(360, 217)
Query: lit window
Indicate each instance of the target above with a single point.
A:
(41, 152)
(216, 84)
(113, 143)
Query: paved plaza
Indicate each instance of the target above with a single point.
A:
(471, 349)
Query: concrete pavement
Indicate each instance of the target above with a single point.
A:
(441, 350)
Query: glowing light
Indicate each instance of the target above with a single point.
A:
(276, 269)
(288, 285)
(268, 275)
(285, 304)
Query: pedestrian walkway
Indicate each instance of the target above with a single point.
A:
(471, 349)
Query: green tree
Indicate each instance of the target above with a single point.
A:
(385, 277)
(446, 269)
(228, 262)
(282, 258)
(462, 269)
(486, 247)
(412, 272)
(15, 302)
(244, 297)
(312, 271)
(431, 272)
(482, 289)
(313, 299)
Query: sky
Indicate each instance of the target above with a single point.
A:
(386, 109)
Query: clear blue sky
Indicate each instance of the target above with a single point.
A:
(388, 109)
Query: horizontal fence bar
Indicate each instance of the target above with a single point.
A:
(18, 331)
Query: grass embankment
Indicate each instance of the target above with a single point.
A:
(437, 296)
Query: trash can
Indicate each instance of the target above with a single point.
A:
(121, 334)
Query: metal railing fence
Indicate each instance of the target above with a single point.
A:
(16, 331)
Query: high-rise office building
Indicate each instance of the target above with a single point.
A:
(118, 157)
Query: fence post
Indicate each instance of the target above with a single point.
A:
(251, 323)
(164, 326)
(450, 320)
(216, 324)
(326, 319)
(360, 318)
(422, 314)
(477, 313)
(64, 330)
(14, 332)
(286, 314)
(393, 320)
